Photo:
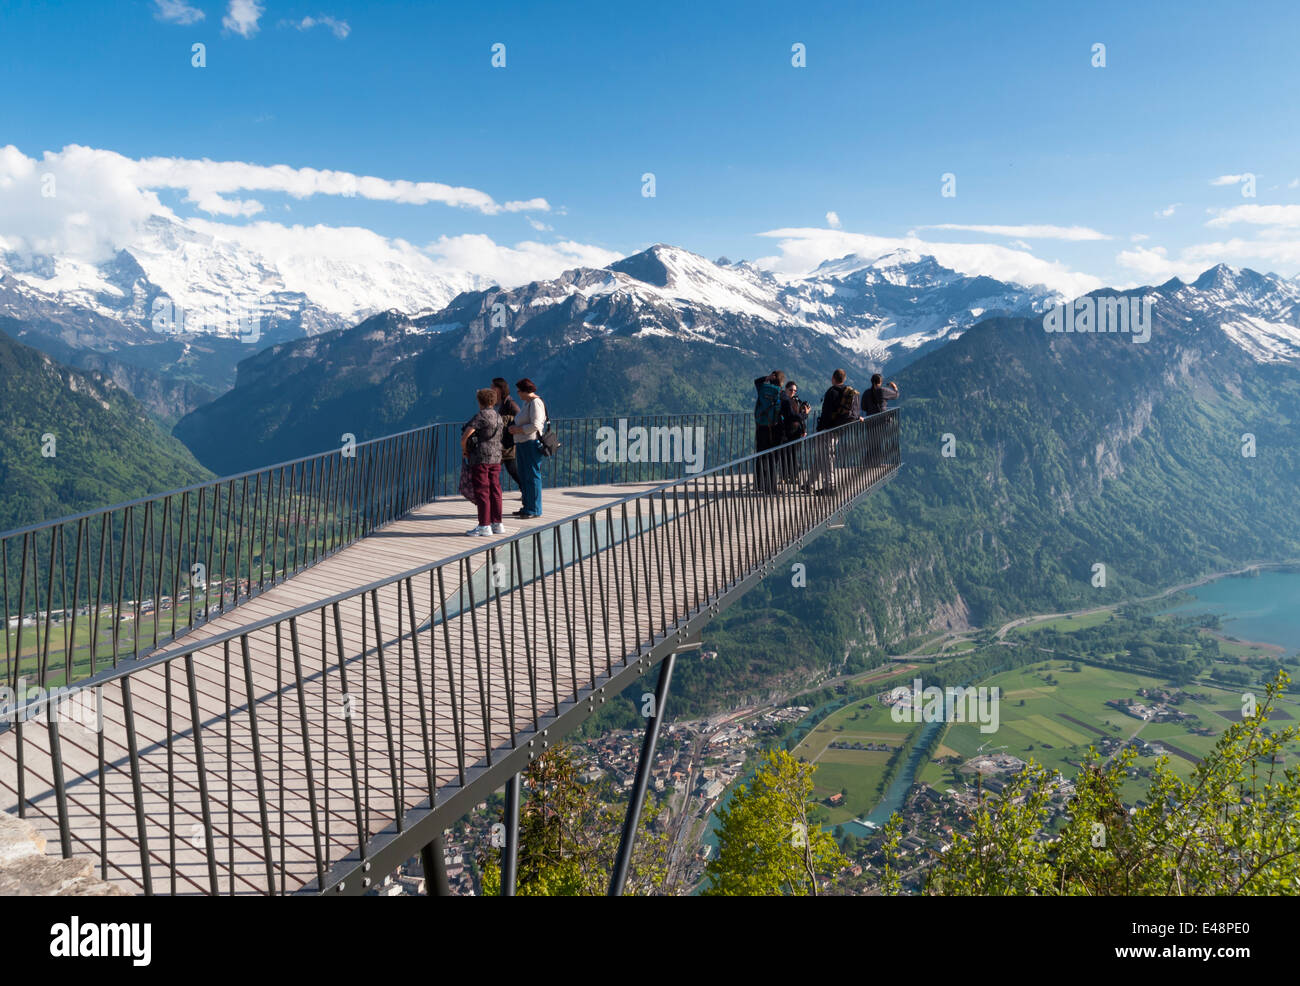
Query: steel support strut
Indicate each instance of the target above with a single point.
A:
(643, 768)
(510, 859)
(433, 862)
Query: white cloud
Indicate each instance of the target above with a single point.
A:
(1154, 264)
(176, 12)
(802, 249)
(120, 192)
(1139, 237)
(538, 225)
(1293, 183)
(1258, 215)
(1167, 211)
(103, 202)
(87, 183)
(833, 220)
(242, 17)
(1279, 255)
(1032, 232)
(203, 179)
(510, 266)
(1229, 179)
(340, 29)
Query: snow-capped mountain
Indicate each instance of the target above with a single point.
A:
(208, 276)
(896, 306)
(1258, 312)
(884, 310)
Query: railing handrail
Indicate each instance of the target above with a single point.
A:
(287, 463)
(128, 665)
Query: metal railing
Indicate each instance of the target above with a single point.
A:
(82, 592)
(300, 751)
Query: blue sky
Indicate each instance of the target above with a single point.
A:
(1059, 165)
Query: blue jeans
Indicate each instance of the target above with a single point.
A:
(530, 475)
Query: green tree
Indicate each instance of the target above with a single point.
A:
(568, 838)
(767, 845)
(1232, 828)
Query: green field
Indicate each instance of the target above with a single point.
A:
(859, 772)
(1229, 647)
(1039, 728)
(1064, 623)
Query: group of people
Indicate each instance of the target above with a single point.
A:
(504, 434)
(781, 419)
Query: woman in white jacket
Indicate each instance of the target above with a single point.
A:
(527, 429)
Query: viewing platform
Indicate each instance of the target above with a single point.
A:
(294, 679)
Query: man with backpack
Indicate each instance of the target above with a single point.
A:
(877, 398)
(840, 406)
(767, 425)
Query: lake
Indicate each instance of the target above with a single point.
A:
(1263, 608)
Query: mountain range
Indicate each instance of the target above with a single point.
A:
(663, 330)
(1048, 473)
(162, 316)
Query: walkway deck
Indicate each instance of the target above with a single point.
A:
(264, 761)
(160, 705)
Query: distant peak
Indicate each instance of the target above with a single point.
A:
(1216, 276)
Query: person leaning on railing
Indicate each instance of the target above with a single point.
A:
(876, 400)
(840, 406)
(480, 443)
(527, 429)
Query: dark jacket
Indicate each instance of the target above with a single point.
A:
(876, 399)
(830, 416)
(794, 419)
(508, 410)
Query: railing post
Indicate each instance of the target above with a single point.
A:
(510, 859)
(624, 860)
(434, 864)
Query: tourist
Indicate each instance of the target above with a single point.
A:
(767, 426)
(480, 443)
(840, 406)
(876, 400)
(794, 426)
(509, 410)
(529, 425)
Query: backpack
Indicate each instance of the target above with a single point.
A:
(842, 414)
(767, 408)
(550, 441)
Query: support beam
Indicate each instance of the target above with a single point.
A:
(510, 858)
(433, 862)
(643, 768)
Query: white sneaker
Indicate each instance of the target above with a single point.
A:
(478, 532)
(499, 529)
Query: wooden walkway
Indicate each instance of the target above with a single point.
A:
(360, 712)
(303, 711)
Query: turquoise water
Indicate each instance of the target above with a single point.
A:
(1264, 608)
